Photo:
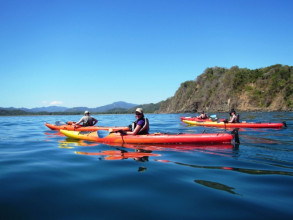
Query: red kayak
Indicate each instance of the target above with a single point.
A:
(70, 127)
(156, 138)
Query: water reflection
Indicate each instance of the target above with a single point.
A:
(258, 140)
(176, 147)
(54, 133)
(241, 170)
(140, 153)
(137, 154)
(216, 185)
(71, 143)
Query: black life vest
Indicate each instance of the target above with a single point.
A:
(144, 129)
(204, 117)
(237, 119)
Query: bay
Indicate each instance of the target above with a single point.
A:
(45, 175)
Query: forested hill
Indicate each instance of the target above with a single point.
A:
(220, 89)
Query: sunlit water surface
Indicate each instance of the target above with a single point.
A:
(44, 175)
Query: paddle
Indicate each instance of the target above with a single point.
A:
(213, 117)
(105, 133)
(225, 121)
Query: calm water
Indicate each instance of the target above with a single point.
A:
(45, 176)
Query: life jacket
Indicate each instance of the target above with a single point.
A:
(204, 117)
(145, 128)
(237, 119)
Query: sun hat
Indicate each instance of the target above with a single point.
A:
(139, 110)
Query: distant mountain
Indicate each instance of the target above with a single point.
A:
(12, 111)
(46, 109)
(77, 109)
(116, 105)
(147, 108)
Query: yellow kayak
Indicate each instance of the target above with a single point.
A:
(236, 125)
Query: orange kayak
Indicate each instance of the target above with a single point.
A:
(70, 127)
(156, 138)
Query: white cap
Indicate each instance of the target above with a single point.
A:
(86, 112)
(139, 110)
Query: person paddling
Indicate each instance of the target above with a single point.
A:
(203, 116)
(86, 120)
(141, 125)
(233, 117)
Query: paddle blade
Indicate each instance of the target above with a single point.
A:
(103, 133)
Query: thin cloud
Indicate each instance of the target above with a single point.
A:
(56, 103)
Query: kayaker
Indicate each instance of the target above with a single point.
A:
(234, 118)
(86, 120)
(203, 116)
(141, 125)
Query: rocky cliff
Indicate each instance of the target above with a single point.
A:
(220, 89)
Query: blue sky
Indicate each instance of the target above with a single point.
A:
(95, 52)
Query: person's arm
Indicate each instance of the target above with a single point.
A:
(136, 130)
(232, 119)
(95, 121)
(77, 123)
